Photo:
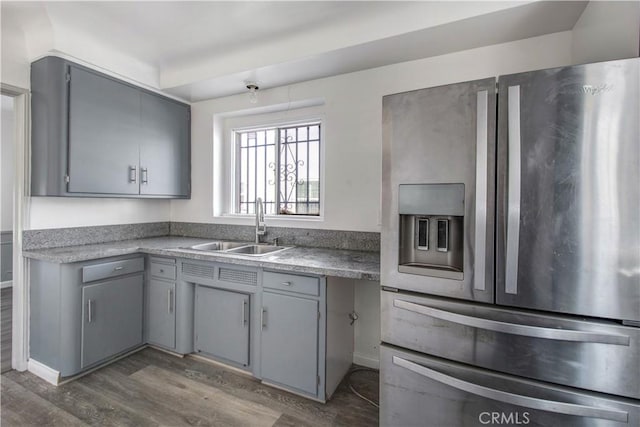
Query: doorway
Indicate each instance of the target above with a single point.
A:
(7, 172)
(14, 198)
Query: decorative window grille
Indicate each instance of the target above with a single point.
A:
(281, 165)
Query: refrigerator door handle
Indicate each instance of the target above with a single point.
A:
(513, 206)
(482, 124)
(514, 399)
(513, 328)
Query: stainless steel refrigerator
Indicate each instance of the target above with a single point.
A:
(510, 254)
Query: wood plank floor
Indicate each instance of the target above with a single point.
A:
(152, 388)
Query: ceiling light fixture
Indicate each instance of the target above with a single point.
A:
(253, 92)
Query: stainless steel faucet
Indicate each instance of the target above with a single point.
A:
(261, 227)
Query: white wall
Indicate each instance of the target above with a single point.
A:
(607, 30)
(352, 113)
(13, 59)
(6, 163)
(367, 327)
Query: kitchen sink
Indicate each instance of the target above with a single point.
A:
(240, 248)
(257, 250)
(217, 246)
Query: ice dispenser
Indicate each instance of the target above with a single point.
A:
(431, 229)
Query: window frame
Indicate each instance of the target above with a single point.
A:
(234, 175)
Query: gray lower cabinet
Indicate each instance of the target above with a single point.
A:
(112, 313)
(96, 136)
(168, 321)
(84, 313)
(289, 351)
(222, 324)
(161, 316)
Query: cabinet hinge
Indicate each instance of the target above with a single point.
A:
(318, 379)
(318, 315)
(67, 179)
(67, 77)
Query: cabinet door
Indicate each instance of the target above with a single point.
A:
(112, 318)
(222, 324)
(164, 147)
(104, 129)
(161, 316)
(290, 341)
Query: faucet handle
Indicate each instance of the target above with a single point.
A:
(275, 241)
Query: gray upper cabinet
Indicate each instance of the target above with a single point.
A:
(96, 136)
(104, 127)
(164, 147)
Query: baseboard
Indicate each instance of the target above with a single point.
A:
(206, 359)
(43, 371)
(366, 360)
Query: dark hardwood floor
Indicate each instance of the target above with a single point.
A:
(151, 388)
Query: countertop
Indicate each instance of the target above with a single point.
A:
(328, 262)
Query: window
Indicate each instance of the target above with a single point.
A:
(280, 165)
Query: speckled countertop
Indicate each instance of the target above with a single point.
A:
(328, 262)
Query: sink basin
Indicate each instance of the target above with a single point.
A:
(257, 250)
(217, 246)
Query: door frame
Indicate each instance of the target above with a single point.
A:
(21, 203)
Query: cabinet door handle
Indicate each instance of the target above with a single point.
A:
(170, 301)
(286, 283)
(90, 310)
(244, 318)
(133, 173)
(144, 176)
(263, 318)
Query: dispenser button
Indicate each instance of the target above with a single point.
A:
(443, 235)
(422, 241)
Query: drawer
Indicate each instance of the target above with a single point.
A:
(163, 271)
(292, 283)
(592, 355)
(416, 387)
(105, 270)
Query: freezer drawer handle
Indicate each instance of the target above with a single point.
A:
(512, 328)
(515, 399)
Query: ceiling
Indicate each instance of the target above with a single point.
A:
(203, 50)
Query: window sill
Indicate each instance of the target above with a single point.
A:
(276, 218)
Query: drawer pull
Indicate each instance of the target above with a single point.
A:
(511, 398)
(162, 270)
(118, 268)
(286, 283)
